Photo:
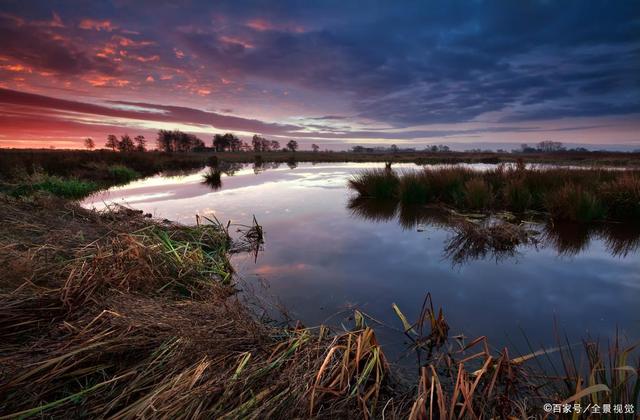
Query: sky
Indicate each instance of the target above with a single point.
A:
(336, 73)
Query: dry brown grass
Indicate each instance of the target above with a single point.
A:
(477, 239)
(576, 195)
(127, 317)
(115, 315)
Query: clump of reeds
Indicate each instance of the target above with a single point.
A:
(354, 368)
(152, 260)
(377, 183)
(599, 375)
(447, 183)
(517, 196)
(576, 195)
(213, 179)
(623, 197)
(477, 194)
(575, 204)
(438, 328)
(412, 189)
(471, 381)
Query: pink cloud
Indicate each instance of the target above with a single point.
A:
(236, 41)
(144, 59)
(128, 42)
(97, 25)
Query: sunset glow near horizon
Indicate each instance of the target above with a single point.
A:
(334, 73)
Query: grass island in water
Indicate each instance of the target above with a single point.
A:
(573, 195)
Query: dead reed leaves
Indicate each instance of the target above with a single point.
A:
(118, 316)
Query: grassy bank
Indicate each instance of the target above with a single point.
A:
(425, 158)
(76, 173)
(575, 195)
(116, 315)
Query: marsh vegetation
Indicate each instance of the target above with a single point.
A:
(571, 195)
(116, 314)
(131, 317)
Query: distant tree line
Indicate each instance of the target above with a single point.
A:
(177, 141)
(122, 144)
(548, 147)
(541, 147)
(227, 142)
(260, 144)
(379, 149)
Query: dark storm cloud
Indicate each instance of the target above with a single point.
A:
(449, 62)
(399, 63)
(586, 109)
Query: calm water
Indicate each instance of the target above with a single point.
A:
(325, 255)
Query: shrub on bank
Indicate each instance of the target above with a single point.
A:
(120, 174)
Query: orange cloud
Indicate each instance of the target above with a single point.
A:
(97, 25)
(16, 68)
(106, 81)
(105, 52)
(143, 59)
(128, 42)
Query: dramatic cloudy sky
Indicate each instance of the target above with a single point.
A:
(336, 73)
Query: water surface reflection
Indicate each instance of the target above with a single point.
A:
(325, 254)
(567, 239)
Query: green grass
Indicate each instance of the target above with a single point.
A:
(66, 188)
(122, 174)
(70, 188)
